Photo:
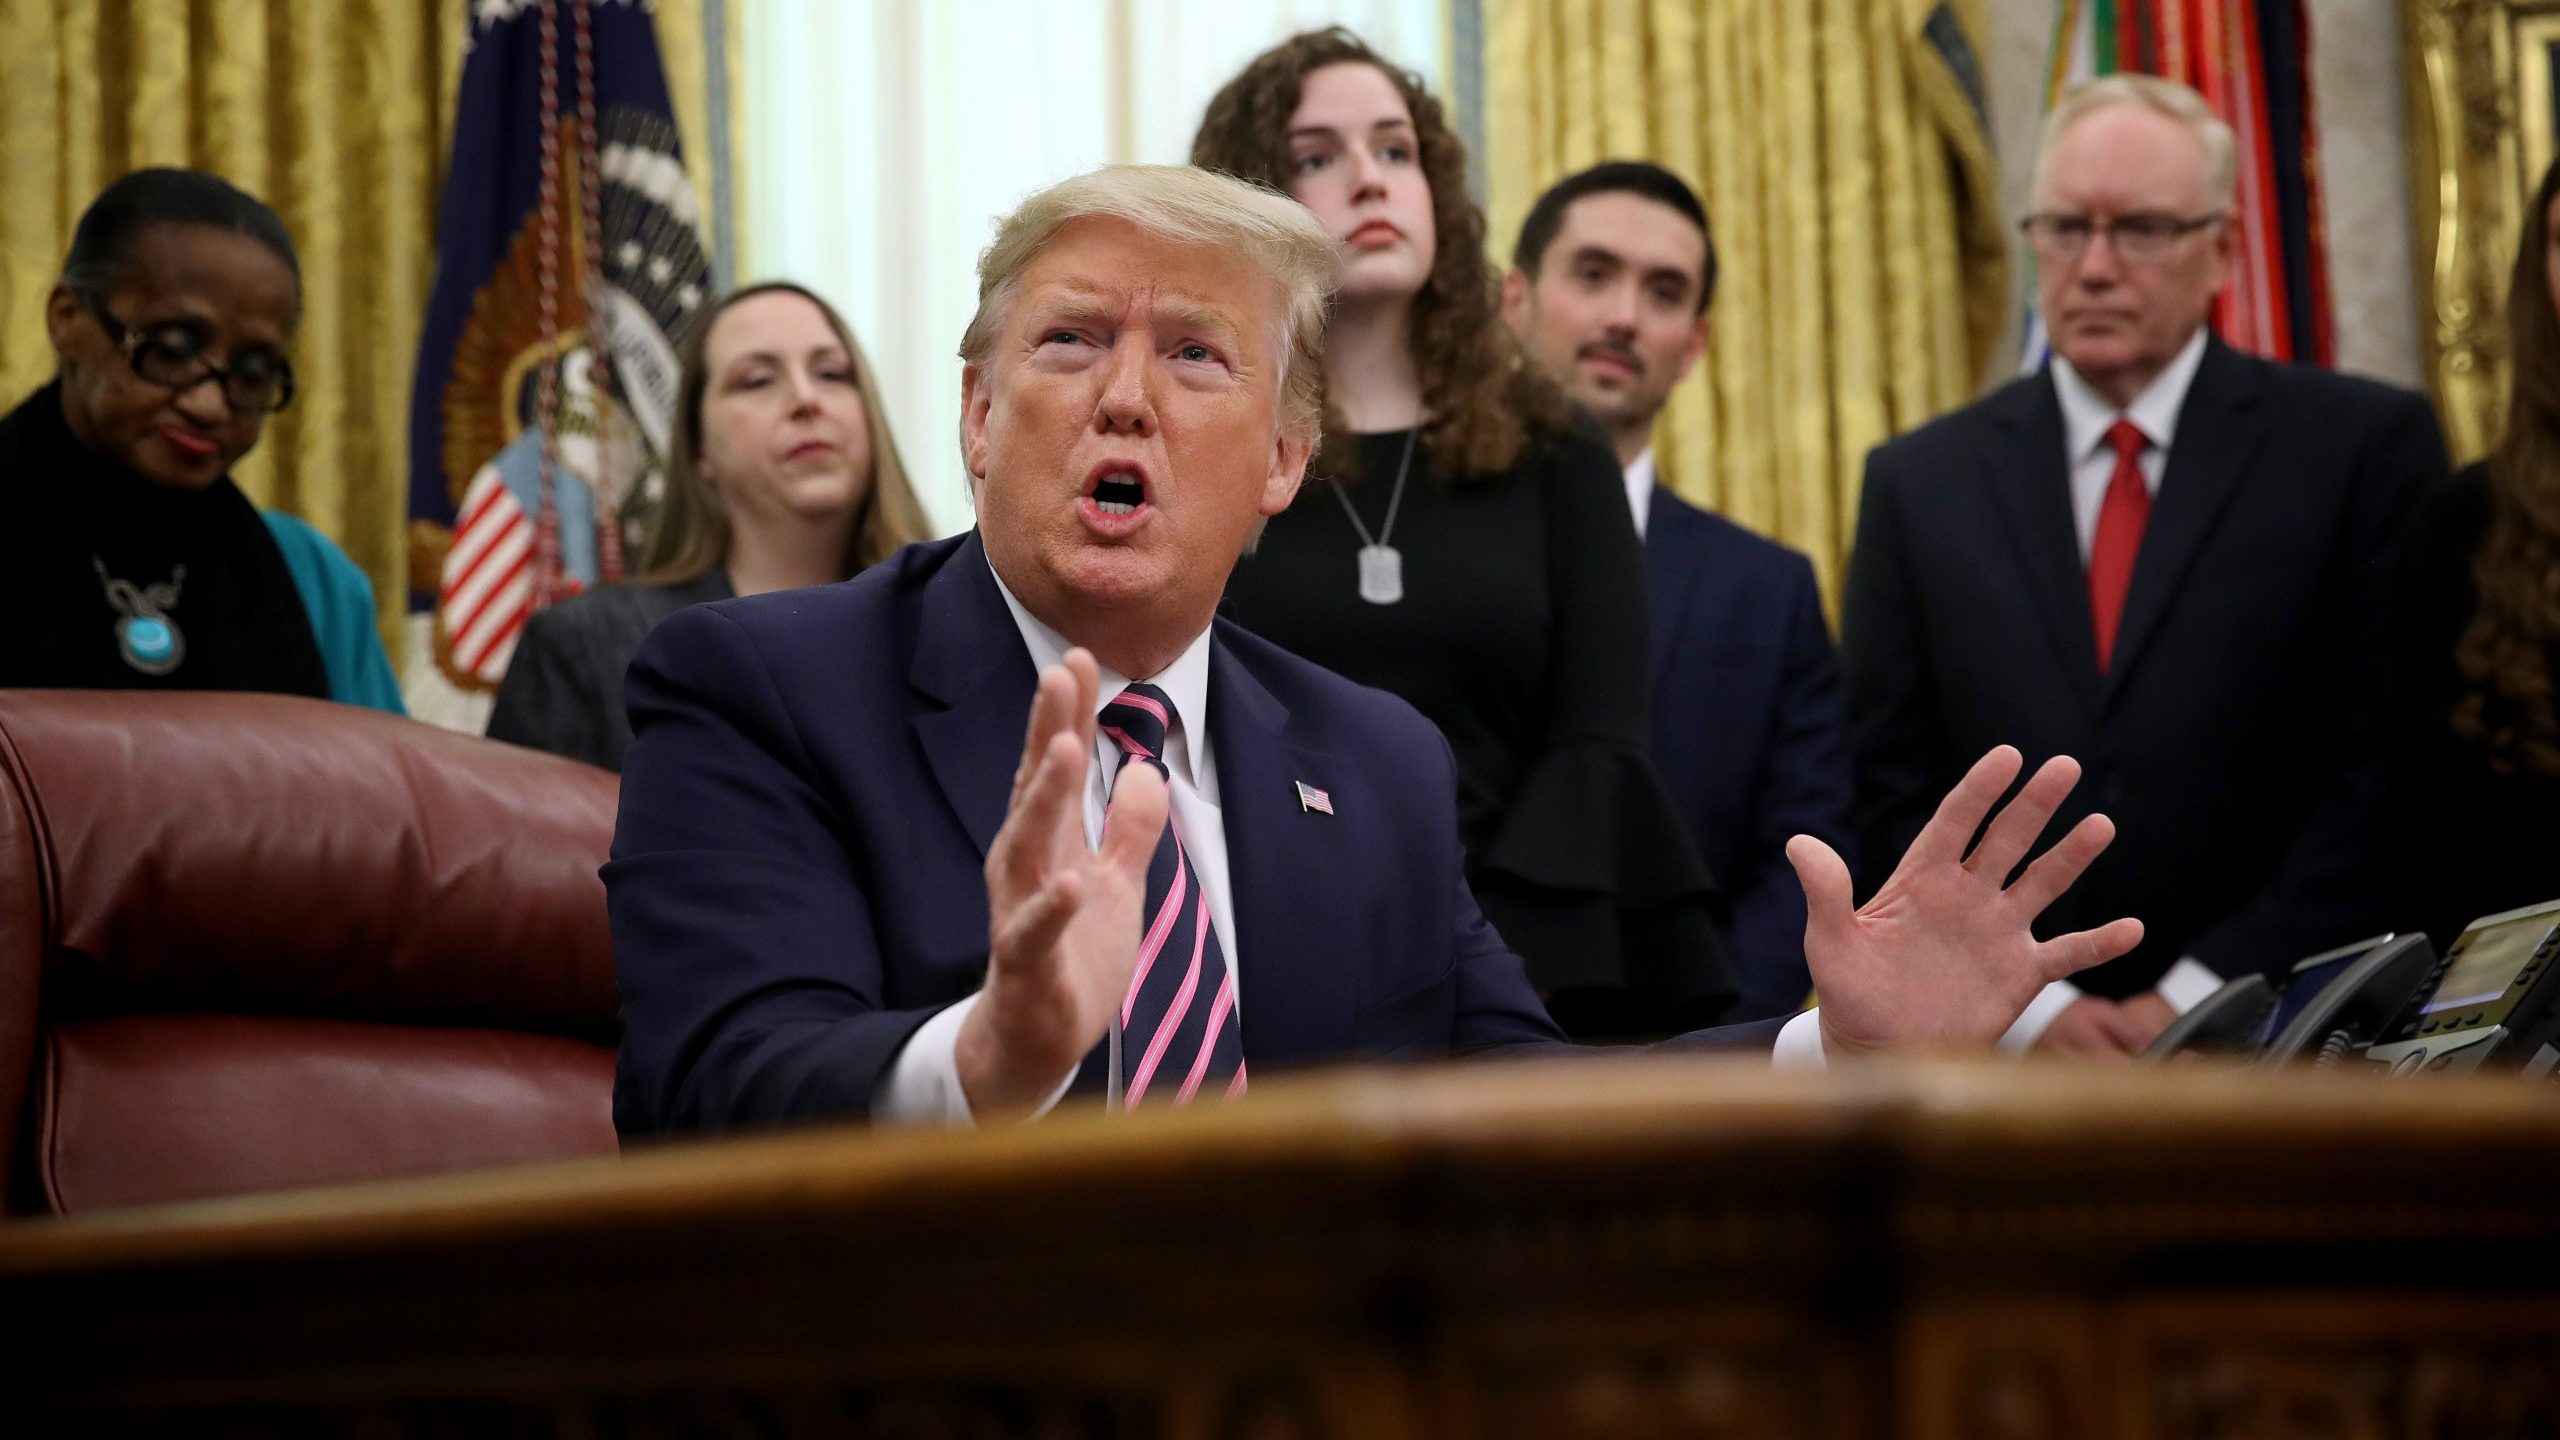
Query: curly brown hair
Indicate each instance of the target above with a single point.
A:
(1484, 404)
(2505, 652)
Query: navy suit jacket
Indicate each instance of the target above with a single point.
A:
(1751, 730)
(2235, 740)
(797, 880)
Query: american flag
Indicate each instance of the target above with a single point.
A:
(487, 586)
(569, 253)
(1311, 798)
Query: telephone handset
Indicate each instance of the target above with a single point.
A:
(2492, 999)
(2339, 1003)
(2222, 1023)
(2356, 987)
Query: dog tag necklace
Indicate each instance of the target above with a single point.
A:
(1381, 564)
(145, 635)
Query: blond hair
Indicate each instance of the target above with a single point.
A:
(1195, 207)
(2161, 97)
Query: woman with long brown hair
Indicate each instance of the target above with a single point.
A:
(1464, 542)
(780, 473)
(2476, 638)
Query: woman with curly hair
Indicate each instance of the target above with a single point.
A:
(1465, 544)
(2476, 638)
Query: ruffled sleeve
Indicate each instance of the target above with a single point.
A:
(1590, 873)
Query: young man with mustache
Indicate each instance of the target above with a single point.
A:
(1608, 292)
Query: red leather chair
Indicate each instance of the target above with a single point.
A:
(250, 942)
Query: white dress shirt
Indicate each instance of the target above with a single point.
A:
(1640, 489)
(923, 1083)
(2086, 418)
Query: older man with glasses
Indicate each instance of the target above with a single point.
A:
(2159, 555)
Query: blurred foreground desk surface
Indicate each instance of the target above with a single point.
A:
(1623, 1248)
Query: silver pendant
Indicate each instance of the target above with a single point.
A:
(1381, 574)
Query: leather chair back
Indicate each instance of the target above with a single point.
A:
(250, 942)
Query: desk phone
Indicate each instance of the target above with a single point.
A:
(2492, 1000)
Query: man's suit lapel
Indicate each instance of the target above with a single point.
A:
(971, 666)
(1295, 970)
(2219, 432)
(2030, 473)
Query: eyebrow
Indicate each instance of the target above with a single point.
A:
(1084, 300)
(1649, 272)
(1327, 132)
(772, 356)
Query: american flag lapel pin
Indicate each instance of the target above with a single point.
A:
(1311, 798)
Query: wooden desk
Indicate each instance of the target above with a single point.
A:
(1622, 1248)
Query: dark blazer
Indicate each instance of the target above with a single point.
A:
(2236, 739)
(563, 691)
(1751, 728)
(797, 880)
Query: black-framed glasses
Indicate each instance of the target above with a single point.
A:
(258, 381)
(2143, 235)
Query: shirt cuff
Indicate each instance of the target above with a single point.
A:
(1799, 1044)
(2187, 984)
(922, 1088)
(2030, 1025)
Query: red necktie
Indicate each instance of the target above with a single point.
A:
(2121, 517)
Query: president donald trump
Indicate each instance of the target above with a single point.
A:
(1014, 821)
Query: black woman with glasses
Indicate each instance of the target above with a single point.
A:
(2160, 555)
(128, 558)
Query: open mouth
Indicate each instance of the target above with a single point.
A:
(1119, 495)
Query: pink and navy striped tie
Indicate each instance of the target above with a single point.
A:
(1178, 1032)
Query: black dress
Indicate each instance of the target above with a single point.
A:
(2467, 841)
(113, 582)
(1521, 634)
(563, 691)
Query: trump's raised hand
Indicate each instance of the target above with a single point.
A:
(1063, 916)
(1945, 956)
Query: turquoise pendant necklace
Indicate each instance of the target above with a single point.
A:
(146, 637)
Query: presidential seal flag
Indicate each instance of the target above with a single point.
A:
(570, 252)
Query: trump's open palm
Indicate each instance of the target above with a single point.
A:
(1063, 916)
(1944, 956)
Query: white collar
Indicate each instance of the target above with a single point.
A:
(1640, 488)
(1185, 682)
(2086, 414)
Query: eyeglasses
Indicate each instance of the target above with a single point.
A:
(258, 381)
(2144, 235)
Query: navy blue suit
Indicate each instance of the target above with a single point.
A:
(2236, 738)
(1750, 726)
(797, 881)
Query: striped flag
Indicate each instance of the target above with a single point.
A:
(2251, 60)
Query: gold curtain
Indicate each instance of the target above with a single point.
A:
(336, 112)
(1848, 177)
